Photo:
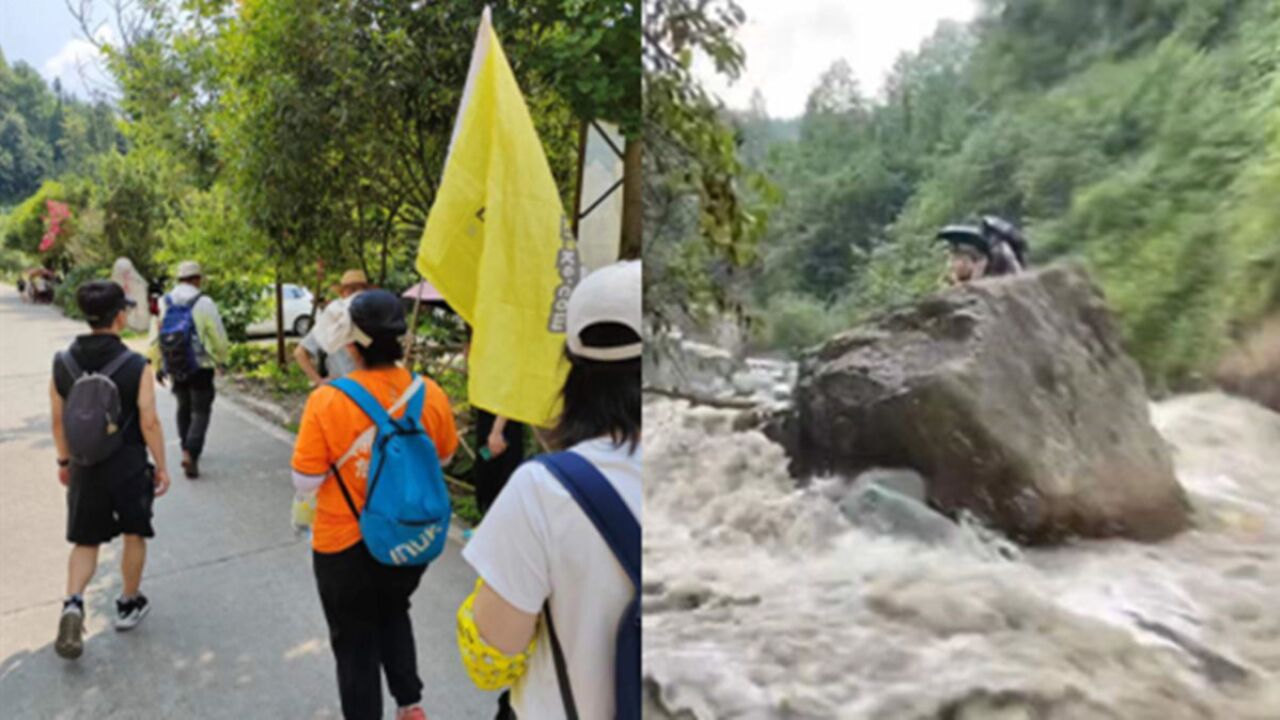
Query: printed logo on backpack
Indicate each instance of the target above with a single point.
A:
(406, 513)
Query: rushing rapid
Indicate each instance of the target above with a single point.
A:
(763, 601)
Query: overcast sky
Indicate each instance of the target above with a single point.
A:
(790, 42)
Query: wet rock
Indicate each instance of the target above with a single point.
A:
(1013, 396)
(881, 509)
(1252, 369)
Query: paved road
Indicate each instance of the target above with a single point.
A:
(235, 630)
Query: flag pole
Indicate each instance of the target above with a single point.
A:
(411, 338)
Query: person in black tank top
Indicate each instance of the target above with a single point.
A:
(114, 496)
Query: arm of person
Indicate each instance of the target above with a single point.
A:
(153, 346)
(437, 418)
(510, 553)
(503, 625)
(311, 452)
(302, 353)
(212, 334)
(497, 439)
(59, 437)
(152, 433)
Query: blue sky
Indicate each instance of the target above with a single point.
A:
(43, 34)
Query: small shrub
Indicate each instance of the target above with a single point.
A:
(65, 294)
(244, 358)
(464, 506)
(794, 322)
(289, 381)
(13, 263)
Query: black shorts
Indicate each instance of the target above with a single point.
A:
(103, 505)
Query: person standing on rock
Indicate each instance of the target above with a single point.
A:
(970, 253)
(309, 351)
(994, 248)
(102, 398)
(192, 344)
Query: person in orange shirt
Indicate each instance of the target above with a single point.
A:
(366, 603)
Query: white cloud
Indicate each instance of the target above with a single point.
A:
(79, 61)
(790, 42)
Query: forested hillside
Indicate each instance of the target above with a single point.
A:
(44, 133)
(1142, 136)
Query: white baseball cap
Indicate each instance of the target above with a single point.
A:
(610, 294)
(188, 269)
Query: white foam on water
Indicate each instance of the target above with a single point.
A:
(762, 601)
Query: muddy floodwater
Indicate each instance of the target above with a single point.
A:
(763, 601)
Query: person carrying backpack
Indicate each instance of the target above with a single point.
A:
(371, 446)
(102, 397)
(555, 615)
(191, 345)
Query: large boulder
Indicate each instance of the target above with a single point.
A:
(1012, 396)
(1252, 368)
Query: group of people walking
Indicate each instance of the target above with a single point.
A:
(554, 616)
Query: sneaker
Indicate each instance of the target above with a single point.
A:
(411, 713)
(130, 612)
(70, 642)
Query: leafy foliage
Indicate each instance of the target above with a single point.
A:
(704, 209)
(288, 139)
(1138, 136)
(45, 133)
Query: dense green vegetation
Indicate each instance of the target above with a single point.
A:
(1142, 136)
(45, 133)
(284, 139)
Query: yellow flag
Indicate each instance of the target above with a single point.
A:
(498, 247)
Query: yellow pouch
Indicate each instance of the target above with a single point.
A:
(304, 510)
(487, 666)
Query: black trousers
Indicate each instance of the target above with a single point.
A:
(366, 605)
(195, 408)
(492, 475)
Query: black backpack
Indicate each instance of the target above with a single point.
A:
(91, 411)
(998, 230)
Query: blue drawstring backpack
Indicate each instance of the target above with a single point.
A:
(406, 510)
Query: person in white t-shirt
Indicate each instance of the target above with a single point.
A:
(536, 544)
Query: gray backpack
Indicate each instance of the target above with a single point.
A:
(91, 411)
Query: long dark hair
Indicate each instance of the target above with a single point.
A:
(600, 398)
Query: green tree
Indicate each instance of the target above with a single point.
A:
(704, 209)
(1137, 136)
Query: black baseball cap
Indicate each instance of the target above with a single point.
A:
(100, 300)
(378, 313)
(965, 235)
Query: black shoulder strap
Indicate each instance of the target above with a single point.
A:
(195, 300)
(346, 494)
(70, 364)
(562, 670)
